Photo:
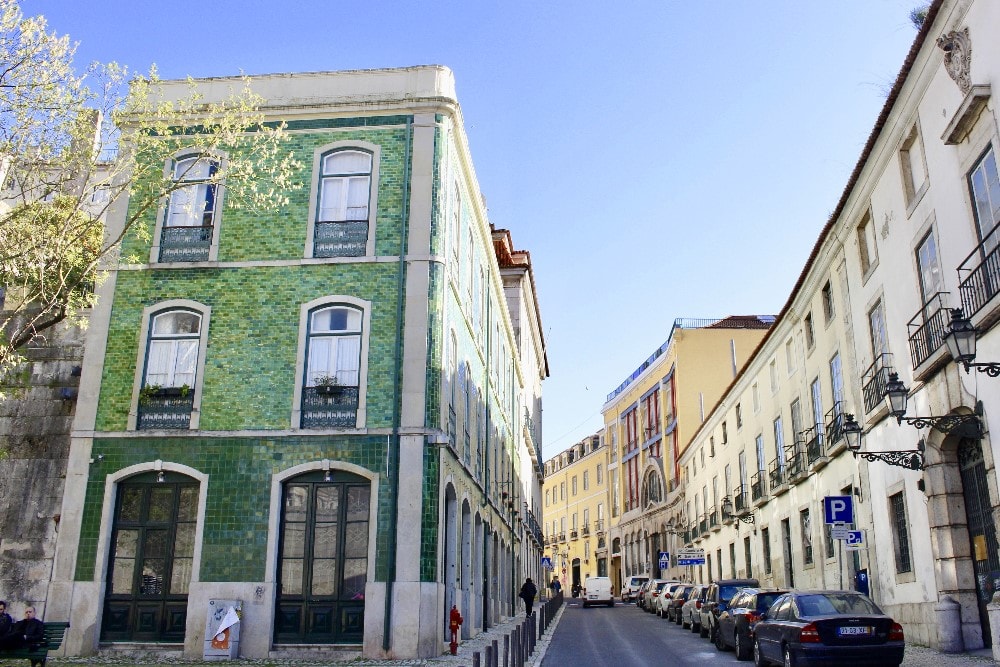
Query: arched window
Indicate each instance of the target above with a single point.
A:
(342, 213)
(188, 227)
(652, 490)
(330, 392)
(166, 397)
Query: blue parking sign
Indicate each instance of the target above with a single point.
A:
(838, 509)
(664, 560)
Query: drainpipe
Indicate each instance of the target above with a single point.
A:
(392, 460)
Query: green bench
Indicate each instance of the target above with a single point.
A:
(54, 633)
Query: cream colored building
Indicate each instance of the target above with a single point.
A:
(575, 512)
(912, 237)
(648, 421)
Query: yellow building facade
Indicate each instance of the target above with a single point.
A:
(575, 512)
(649, 420)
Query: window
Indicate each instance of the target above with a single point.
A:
(984, 188)
(900, 533)
(600, 474)
(746, 556)
(810, 331)
(456, 220)
(732, 561)
(876, 327)
(817, 405)
(765, 539)
(827, 296)
(333, 368)
(867, 251)
(711, 446)
(188, 226)
(586, 519)
(586, 480)
(790, 356)
(725, 434)
(739, 416)
(828, 538)
(668, 400)
(837, 384)
(755, 392)
(548, 494)
(574, 485)
(342, 213)
(911, 158)
(928, 268)
(562, 490)
(173, 346)
(761, 461)
(779, 443)
(796, 411)
(807, 549)
(773, 372)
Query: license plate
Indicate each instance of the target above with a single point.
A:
(848, 630)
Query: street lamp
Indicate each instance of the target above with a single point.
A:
(961, 342)
(897, 395)
(727, 510)
(907, 458)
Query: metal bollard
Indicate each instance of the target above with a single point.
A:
(488, 653)
(496, 654)
(475, 659)
(506, 651)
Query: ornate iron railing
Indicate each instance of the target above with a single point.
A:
(797, 466)
(874, 381)
(927, 328)
(740, 501)
(348, 238)
(703, 524)
(168, 410)
(777, 473)
(758, 485)
(815, 444)
(713, 518)
(329, 407)
(982, 267)
(834, 424)
(185, 244)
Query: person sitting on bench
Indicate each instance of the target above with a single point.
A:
(28, 632)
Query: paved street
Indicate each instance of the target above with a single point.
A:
(625, 635)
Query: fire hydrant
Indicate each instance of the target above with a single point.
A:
(454, 624)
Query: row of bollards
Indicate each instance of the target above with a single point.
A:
(519, 643)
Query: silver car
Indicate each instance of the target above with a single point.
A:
(691, 609)
(663, 599)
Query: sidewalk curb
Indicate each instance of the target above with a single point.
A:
(542, 647)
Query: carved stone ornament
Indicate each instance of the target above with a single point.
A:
(957, 49)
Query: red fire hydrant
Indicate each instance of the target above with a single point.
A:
(455, 623)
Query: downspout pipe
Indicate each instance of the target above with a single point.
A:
(392, 462)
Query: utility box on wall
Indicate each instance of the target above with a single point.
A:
(222, 629)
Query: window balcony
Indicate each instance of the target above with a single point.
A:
(797, 469)
(713, 520)
(586, 530)
(573, 535)
(980, 274)
(835, 425)
(927, 328)
(875, 379)
(322, 408)
(165, 408)
(185, 244)
(758, 487)
(741, 501)
(778, 476)
(348, 238)
(815, 448)
(703, 525)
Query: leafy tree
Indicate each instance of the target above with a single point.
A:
(78, 145)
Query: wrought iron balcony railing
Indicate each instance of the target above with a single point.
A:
(981, 269)
(874, 381)
(815, 443)
(329, 407)
(741, 503)
(797, 466)
(713, 519)
(573, 535)
(777, 473)
(703, 524)
(586, 530)
(758, 485)
(834, 424)
(185, 244)
(165, 409)
(927, 328)
(347, 238)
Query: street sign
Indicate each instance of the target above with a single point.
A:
(664, 560)
(840, 531)
(546, 563)
(855, 540)
(838, 509)
(690, 556)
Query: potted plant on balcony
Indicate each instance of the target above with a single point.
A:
(150, 391)
(327, 385)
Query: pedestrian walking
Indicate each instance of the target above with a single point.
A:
(555, 586)
(528, 593)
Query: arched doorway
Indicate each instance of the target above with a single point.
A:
(450, 555)
(982, 528)
(151, 559)
(323, 559)
(575, 573)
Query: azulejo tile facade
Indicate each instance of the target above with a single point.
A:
(328, 412)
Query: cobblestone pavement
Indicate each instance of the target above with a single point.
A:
(916, 656)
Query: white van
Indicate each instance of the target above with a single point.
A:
(631, 587)
(597, 590)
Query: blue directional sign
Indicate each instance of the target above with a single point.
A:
(691, 556)
(838, 509)
(664, 560)
(855, 540)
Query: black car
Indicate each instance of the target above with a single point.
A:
(717, 599)
(677, 598)
(826, 628)
(736, 623)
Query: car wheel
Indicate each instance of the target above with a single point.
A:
(677, 618)
(611, 604)
(758, 659)
(720, 643)
(584, 605)
(685, 624)
(702, 631)
(695, 627)
(743, 649)
(790, 659)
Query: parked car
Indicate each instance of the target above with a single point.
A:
(631, 587)
(736, 623)
(717, 598)
(842, 627)
(663, 599)
(677, 598)
(640, 596)
(650, 594)
(691, 609)
(597, 590)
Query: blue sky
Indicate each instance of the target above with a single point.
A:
(659, 159)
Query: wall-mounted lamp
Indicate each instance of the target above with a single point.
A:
(906, 458)
(97, 459)
(961, 342)
(161, 477)
(896, 397)
(727, 511)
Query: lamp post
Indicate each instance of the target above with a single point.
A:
(906, 458)
(727, 510)
(897, 396)
(961, 341)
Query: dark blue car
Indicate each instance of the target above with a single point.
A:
(827, 628)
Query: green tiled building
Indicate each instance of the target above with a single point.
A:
(328, 412)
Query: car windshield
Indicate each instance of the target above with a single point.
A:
(765, 600)
(835, 603)
(660, 585)
(727, 592)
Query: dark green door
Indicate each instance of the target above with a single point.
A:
(323, 561)
(151, 558)
(982, 532)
